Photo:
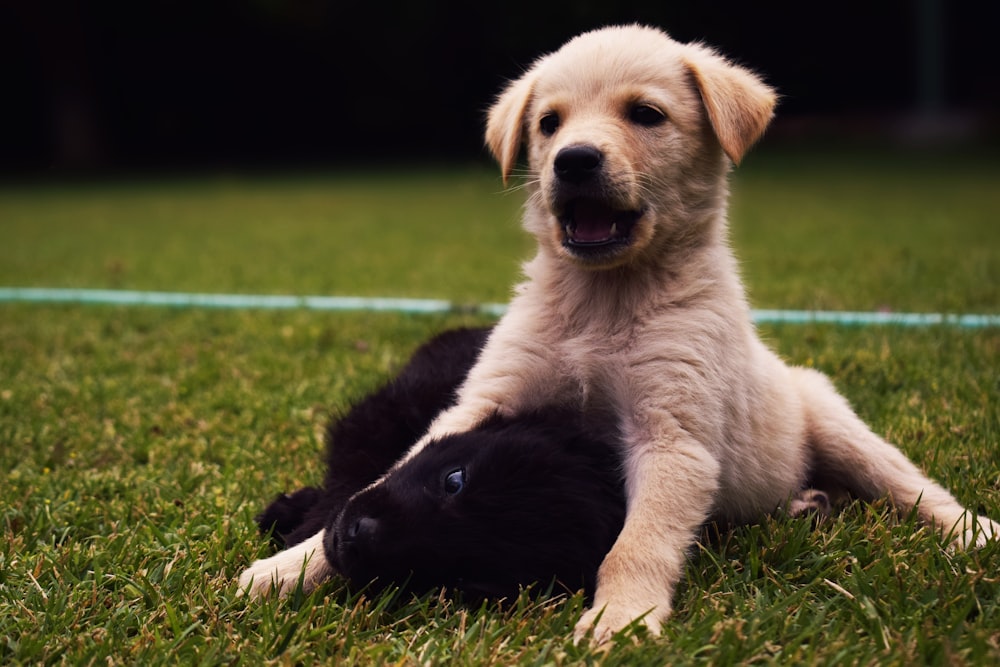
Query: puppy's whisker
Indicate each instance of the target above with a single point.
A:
(650, 185)
(521, 179)
(521, 186)
(536, 199)
(525, 183)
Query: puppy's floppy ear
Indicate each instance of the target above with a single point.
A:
(739, 104)
(505, 123)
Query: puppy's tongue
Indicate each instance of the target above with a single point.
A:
(592, 221)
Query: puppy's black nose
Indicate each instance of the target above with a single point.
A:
(576, 164)
(362, 528)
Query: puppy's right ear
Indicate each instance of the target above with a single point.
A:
(505, 123)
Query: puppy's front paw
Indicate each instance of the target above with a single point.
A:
(977, 536)
(282, 572)
(600, 624)
(270, 574)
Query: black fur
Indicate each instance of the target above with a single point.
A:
(376, 432)
(538, 499)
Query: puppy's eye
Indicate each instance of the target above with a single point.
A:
(644, 114)
(548, 124)
(454, 482)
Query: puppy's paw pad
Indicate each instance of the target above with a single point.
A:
(601, 625)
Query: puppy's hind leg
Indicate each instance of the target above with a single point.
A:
(809, 501)
(846, 453)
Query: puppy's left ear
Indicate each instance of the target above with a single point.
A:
(739, 104)
(505, 123)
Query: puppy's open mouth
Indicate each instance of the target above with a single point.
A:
(590, 224)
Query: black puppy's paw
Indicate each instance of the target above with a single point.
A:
(286, 513)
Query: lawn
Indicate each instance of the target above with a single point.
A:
(140, 442)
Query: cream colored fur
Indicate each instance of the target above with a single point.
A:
(712, 423)
(658, 335)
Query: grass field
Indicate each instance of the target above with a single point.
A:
(140, 442)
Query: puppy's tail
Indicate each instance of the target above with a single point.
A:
(848, 455)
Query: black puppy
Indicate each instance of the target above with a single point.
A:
(536, 499)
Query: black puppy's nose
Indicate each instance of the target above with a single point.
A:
(362, 528)
(578, 163)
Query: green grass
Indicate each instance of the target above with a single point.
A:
(140, 442)
(375, 234)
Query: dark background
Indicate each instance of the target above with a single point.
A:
(140, 84)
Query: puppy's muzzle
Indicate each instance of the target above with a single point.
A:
(349, 540)
(595, 227)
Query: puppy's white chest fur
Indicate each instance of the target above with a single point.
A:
(658, 355)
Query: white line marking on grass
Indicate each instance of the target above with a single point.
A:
(403, 305)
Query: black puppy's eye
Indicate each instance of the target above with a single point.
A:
(549, 123)
(454, 482)
(645, 114)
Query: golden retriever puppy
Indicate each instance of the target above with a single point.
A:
(633, 308)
